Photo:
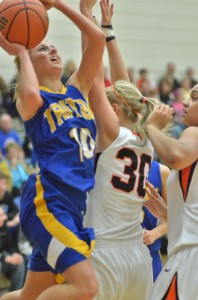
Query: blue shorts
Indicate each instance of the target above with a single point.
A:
(157, 264)
(52, 221)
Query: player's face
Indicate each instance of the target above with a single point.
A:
(46, 59)
(190, 117)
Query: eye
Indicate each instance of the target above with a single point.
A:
(43, 49)
(194, 98)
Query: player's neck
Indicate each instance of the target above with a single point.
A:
(127, 124)
(54, 86)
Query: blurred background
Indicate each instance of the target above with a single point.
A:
(159, 42)
(151, 33)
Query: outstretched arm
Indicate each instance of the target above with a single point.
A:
(93, 53)
(118, 70)
(177, 154)
(106, 120)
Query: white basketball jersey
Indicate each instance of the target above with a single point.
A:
(182, 201)
(115, 204)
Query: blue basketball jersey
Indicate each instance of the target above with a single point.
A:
(63, 138)
(53, 202)
(149, 221)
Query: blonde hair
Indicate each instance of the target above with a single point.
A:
(15, 86)
(133, 103)
(12, 145)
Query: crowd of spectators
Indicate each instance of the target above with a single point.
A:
(17, 160)
(170, 90)
(16, 163)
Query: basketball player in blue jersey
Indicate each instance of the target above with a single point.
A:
(61, 127)
(123, 157)
(153, 230)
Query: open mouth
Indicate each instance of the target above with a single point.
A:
(54, 58)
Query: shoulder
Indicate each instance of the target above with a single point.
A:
(191, 128)
(164, 170)
(190, 131)
(188, 140)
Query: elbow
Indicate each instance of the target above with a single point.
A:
(98, 43)
(97, 40)
(175, 161)
(101, 38)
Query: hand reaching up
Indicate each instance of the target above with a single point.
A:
(107, 12)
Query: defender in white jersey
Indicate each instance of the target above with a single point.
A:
(178, 277)
(121, 261)
(123, 156)
(119, 190)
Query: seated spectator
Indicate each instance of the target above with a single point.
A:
(185, 88)
(178, 127)
(6, 201)
(190, 73)
(4, 169)
(8, 104)
(14, 163)
(178, 106)
(68, 69)
(7, 132)
(18, 168)
(166, 90)
(170, 73)
(12, 262)
(144, 83)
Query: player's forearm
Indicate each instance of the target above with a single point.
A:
(87, 27)
(118, 70)
(165, 146)
(161, 229)
(28, 82)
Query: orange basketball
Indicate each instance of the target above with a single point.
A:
(23, 22)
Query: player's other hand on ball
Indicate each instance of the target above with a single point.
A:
(11, 48)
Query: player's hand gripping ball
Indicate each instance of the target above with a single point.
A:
(23, 22)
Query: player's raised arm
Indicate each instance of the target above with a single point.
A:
(106, 120)
(92, 54)
(29, 100)
(118, 70)
(177, 154)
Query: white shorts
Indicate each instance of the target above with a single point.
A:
(178, 278)
(124, 272)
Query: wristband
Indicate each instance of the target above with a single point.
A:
(108, 31)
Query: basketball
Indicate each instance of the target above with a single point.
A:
(23, 22)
